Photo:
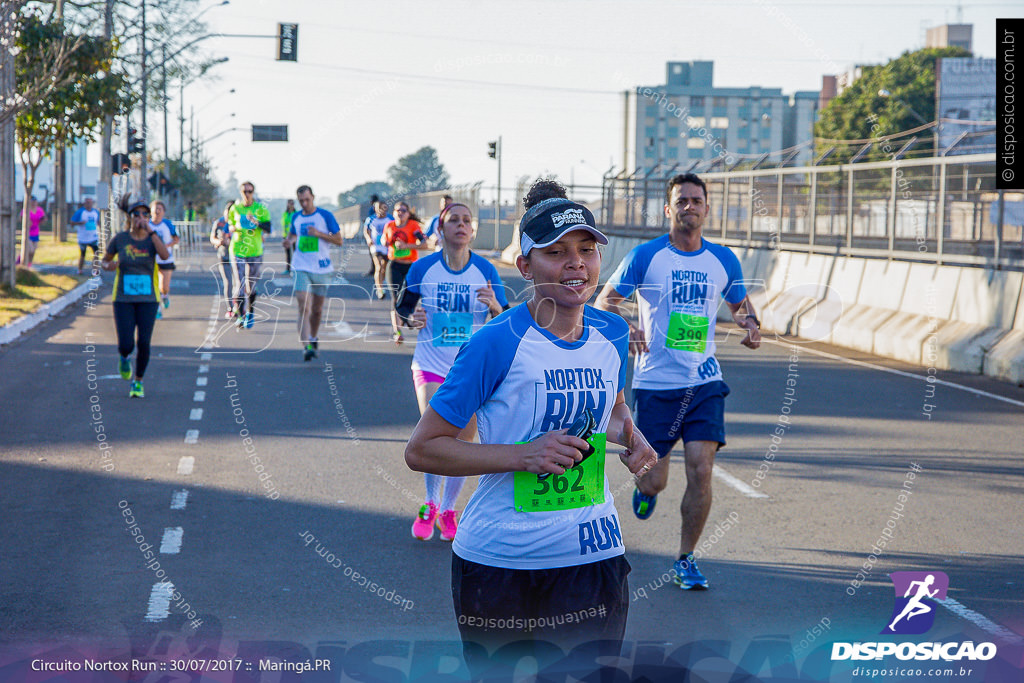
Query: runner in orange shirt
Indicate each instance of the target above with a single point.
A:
(403, 238)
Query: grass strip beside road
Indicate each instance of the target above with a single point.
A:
(32, 290)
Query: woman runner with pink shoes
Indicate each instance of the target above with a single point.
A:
(456, 291)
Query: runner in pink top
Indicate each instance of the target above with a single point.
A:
(35, 217)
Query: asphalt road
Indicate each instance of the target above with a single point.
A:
(241, 538)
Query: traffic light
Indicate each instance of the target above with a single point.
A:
(492, 149)
(135, 144)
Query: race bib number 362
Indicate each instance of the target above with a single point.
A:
(687, 332)
(581, 486)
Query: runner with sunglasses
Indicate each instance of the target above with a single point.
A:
(540, 537)
(249, 220)
(448, 296)
(135, 290)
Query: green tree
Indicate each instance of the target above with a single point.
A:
(420, 171)
(194, 182)
(909, 81)
(93, 89)
(363, 192)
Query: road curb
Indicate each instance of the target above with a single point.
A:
(12, 331)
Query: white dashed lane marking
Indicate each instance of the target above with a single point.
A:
(179, 499)
(186, 464)
(196, 414)
(199, 396)
(170, 544)
(200, 381)
(736, 483)
(160, 601)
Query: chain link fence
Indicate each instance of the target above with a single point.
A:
(934, 209)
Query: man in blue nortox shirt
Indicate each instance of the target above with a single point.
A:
(678, 390)
(313, 230)
(539, 552)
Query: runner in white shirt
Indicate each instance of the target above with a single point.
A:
(677, 382)
(448, 296)
(313, 231)
(165, 229)
(86, 221)
(540, 537)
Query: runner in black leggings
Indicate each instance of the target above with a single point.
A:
(136, 290)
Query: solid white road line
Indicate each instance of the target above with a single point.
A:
(901, 373)
(186, 464)
(170, 544)
(980, 620)
(736, 483)
(160, 601)
(179, 499)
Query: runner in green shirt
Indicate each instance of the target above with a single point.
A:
(286, 226)
(248, 220)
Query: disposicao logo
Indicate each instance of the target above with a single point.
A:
(913, 613)
(914, 610)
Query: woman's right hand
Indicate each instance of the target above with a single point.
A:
(553, 453)
(108, 265)
(418, 319)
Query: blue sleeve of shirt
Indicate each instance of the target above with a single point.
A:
(432, 228)
(414, 278)
(170, 226)
(632, 270)
(77, 218)
(615, 329)
(479, 369)
(331, 221)
(491, 273)
(735, 291)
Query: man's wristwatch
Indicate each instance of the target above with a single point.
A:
(756, 321)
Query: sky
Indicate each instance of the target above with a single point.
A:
(377, 80)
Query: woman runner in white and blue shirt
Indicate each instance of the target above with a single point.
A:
(457, 291)
(539, 554)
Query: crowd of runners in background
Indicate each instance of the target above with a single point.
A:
(528, 401)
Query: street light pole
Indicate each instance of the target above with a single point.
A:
(145, 88)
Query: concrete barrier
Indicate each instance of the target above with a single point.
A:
(1006, 358)
(843, 279)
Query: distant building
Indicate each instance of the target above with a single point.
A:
(950, 35)
(966, 103)
(688, 121)
(80, 180)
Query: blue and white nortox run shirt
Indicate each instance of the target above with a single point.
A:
(312, 254)
(88, 233)
(166, 230)
(453, 313)
(522, 382)
(677, 294)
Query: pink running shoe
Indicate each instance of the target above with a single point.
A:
(423, 527)
(448, 524)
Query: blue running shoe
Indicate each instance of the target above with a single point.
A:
(249, 320)
(687, 575)
(124, 366)
(643, 505)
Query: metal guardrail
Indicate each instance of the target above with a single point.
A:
(935, 209)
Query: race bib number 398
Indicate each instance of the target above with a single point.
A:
(687, 332)
(581, 486)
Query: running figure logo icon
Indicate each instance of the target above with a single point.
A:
(914, 610)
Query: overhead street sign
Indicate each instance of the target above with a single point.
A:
(287, 42)
(269, 133)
